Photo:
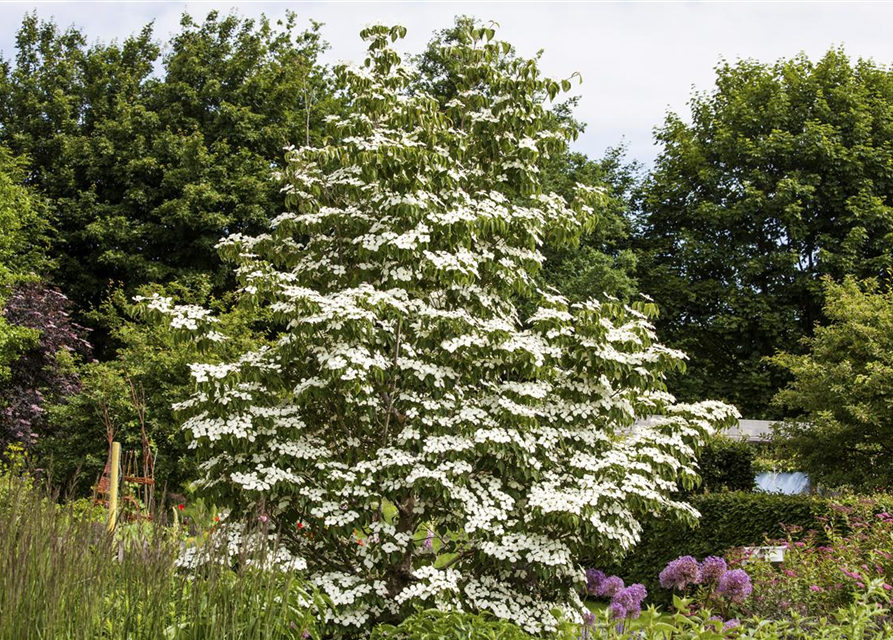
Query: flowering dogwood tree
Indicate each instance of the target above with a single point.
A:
(415, 439)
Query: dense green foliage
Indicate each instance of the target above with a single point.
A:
(728, 520)
(726, 465)
(21, 231)
(602, 264)
(842, 390)
(147, 159)
(782, 176)
(450, 625)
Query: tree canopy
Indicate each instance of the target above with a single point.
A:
(147, 158)
(782, 176)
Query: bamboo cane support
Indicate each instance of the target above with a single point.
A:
(113, 486)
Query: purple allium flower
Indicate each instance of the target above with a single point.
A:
(638, 591)
(712, 569)
(610, 586)
(618, 612)
(735, 585)
(588, 619)
(730, 624)
(631, 599)
(594, 579)
(680, 573)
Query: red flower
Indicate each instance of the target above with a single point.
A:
(181, 507)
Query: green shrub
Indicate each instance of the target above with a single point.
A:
(860, 621)
(727, 465)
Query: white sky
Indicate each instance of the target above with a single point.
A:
(637, 59)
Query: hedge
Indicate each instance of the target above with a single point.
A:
(726, 465)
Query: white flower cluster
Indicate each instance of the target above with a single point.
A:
(187, 317)
(529, 548)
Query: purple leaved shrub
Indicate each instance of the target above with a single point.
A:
(41, 375)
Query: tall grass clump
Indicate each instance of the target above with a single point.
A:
(63, 576)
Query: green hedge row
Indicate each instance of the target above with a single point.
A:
(728, 520)
(727, 465)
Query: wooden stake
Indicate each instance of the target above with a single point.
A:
(113, 485)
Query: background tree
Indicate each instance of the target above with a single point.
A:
(842, 390)
(403, 397)
(782, 176)
(146, 171)
(603, 263)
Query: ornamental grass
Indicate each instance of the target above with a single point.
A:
(64, 577)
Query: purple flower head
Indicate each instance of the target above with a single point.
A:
(594, 579)
(680, 573)
(638, 592)
(610, 586)
(712, 569)
(618, 612)
(429, 540)
(631, 599)
(589, 619)
(735, 585)
(730, 624)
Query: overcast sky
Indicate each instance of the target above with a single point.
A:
(638, 59)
